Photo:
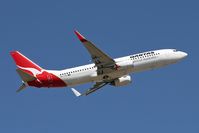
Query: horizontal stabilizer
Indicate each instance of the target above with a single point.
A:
(25, 76)
(77, 94)
(22, 87)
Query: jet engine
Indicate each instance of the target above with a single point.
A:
(124, 80)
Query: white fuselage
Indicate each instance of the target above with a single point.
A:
(126, 65)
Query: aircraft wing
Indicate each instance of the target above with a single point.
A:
(101, 59)
(96, 86)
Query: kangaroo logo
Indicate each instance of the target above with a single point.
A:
(32, 70)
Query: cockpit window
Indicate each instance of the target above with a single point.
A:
(174, 50)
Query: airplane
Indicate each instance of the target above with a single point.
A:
(103, 71)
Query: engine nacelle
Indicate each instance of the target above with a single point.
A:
(122, 81)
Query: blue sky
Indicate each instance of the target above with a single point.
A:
(163, 100)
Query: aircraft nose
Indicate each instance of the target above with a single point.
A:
(182, 54)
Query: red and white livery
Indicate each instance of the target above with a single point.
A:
(103, 71)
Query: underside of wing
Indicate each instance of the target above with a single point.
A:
(101, 59)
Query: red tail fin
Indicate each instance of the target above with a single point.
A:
(23, 62)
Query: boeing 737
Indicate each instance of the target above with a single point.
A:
(103, 71)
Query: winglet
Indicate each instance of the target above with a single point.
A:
(77, 94)
(81, 38)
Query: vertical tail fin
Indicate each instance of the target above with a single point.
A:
(24, 63)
